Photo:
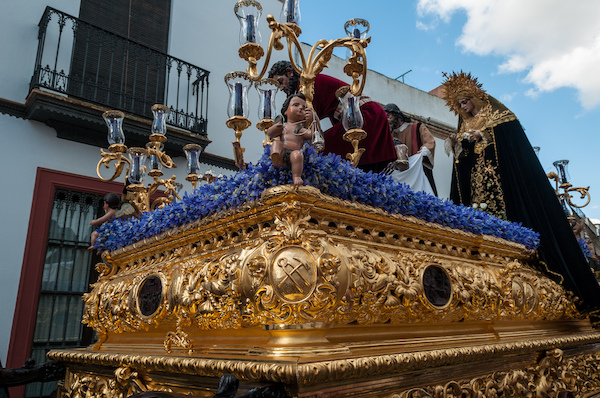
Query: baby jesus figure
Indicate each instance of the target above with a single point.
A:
(292, 133)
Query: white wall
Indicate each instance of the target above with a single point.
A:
(19, 154)
(29, 145)
(19, 32)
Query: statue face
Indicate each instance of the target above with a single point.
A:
(393, 121)
(467, 105)
(288, 82)
(284, 82)
(296, 110)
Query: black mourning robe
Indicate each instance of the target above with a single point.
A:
(530, 199)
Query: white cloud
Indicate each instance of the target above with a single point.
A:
(507, 98)
(556, 42)
(425, 27)
(532, 93)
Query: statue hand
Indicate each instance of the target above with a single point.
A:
(308, 114)
(453, 139)
(475, 135)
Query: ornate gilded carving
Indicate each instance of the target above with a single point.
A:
(318, 372)
(179, 339)
(291, 283)
(551, 376)
(290, 260)
(126, 381)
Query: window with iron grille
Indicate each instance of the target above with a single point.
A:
(114, 55)
(68, 272)
(121, 73)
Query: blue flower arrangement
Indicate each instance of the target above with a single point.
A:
(585, 248)
(332, 176)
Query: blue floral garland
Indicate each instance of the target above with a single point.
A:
(585, 248)
(332, 176)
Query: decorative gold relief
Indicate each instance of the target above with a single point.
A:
(179, 338)
(289, 260)
(525, 296)
(127, 381)
(551, 376)
(293, 274)
(317, 372)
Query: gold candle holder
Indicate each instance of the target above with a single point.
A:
(238, 124)
(353, 136)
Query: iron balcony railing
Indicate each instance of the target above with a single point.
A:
(92, 64)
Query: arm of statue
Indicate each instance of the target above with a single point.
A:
(309, 115)
(428, 145)
(307, 134)
(109, 214)
(275, 130)
(475, 135)
(479, 135)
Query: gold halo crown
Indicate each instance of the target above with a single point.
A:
(461, 85)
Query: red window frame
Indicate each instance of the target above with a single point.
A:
(23, 325)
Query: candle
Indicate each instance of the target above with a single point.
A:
(352, 122)
(238, 110)
(290, 11)
(114, 129)
(136, 172)
(267, 112)
(250, 33)
(154, 163)
(561, 170)
(192, 165)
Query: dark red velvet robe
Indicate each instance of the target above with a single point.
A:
(378, 144)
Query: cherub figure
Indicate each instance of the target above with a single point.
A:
(292, 133)
(110, 206)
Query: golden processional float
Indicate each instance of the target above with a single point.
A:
(306, 292)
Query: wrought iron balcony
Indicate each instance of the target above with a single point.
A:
(90, 64)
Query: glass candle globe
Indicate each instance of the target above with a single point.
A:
(248, 13)
(563, 172)
(351, 116)
(160, 112)
(238, 84)
(267, 89)
(192, 154)
(114, 121)
(357, 28)
(137, 169)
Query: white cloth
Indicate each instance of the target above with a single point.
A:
(415, 175)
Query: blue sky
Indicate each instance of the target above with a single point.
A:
(540, 57)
